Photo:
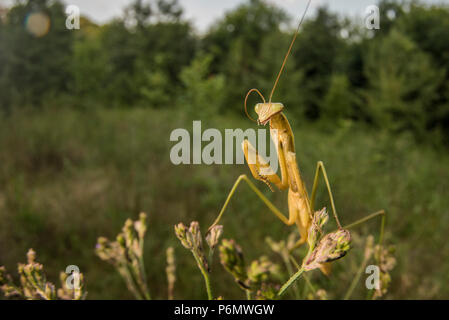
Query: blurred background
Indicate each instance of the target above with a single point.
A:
(86, 115)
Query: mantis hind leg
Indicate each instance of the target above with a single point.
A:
(320, 168)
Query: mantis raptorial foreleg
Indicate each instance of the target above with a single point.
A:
(261, 170)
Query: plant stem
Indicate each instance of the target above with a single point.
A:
(309, 283)
(290, 281)
(248, 295)
(288, 264)
(371, 292)
(382, 227)
(205, 276)
(355, 281)
(126, 274)
(143, 273)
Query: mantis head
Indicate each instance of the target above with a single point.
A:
(266, 111)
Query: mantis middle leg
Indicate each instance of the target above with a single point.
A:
(271, 177)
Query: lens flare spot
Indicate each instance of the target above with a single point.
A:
(38, 24)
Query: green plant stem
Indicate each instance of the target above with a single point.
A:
(211, 256)
(248, 295)
(137, 276)
(309, 283)
(124, 271)
(382, 228)
(355, 281)
(370, 294)
(290, 281)
(205, 276)
(288, 264)
(145, 289)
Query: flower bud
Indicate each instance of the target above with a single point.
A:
(31, 256)
(213, 236)
(231, 257)
(195, 234)
(141, 225)
(319, 220)
(331, 247)
(260, 270)
(181, 233)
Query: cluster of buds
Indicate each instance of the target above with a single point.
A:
(34, 284)
(315, 230)
(260, 271)
(231, 257)
(331, 247)
(191, 239)
(255, 277)
(7, 285)
(386, 262)
(71, 293)
(282, 247)
(327, 248)
(126, 255)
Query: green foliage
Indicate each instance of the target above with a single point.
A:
(237, 43)
(395, 77)
(427, 27)
(204, 93)
(315, 54)
(403, 84)
(34, 65)
(339, 100)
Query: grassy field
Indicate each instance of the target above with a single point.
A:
(67, 177)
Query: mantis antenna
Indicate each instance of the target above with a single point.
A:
(289, 51)
(282, 67)
(246, 98)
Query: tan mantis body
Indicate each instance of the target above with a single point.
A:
(298, 199)
(300, 207)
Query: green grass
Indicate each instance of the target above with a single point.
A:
(67, 177)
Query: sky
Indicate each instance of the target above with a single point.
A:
(203, 12)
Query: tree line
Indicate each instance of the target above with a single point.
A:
(339, 72)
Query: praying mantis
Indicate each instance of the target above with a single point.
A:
(301, 207)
